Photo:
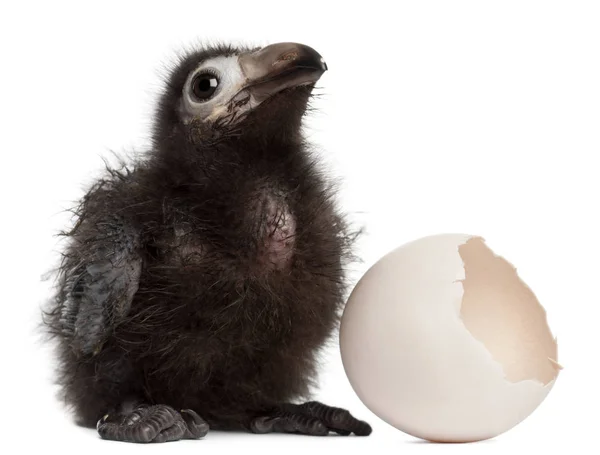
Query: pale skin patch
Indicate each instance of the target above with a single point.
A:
(503, 313)
(278, 235)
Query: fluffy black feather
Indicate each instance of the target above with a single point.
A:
(205, 276)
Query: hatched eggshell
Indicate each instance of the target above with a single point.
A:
(442, 340)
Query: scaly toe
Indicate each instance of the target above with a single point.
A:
(196, 426)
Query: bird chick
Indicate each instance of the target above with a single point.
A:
(198, 285)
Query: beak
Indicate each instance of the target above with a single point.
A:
(280, 66)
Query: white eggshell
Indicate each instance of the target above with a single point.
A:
(443, 355)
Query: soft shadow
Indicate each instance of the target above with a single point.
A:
(422, 441)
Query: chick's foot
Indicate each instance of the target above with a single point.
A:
(156, 423)
(312, 418)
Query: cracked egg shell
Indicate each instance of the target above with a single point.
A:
(442, 340)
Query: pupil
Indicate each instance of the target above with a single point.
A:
(205, 84)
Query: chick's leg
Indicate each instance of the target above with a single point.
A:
(156, 423)
(312, 418)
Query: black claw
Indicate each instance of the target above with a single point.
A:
(173, 433)
(196, 426)
(261, 425)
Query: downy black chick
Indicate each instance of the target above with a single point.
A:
(198, 286)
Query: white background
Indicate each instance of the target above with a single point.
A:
(449, 116)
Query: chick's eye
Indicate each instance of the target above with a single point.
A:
(204, 86)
